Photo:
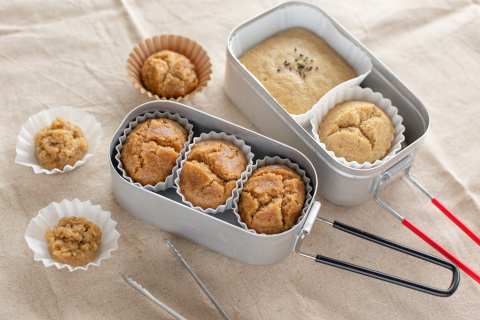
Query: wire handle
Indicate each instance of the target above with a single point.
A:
(444, 209)
(442, 250)
(384, 178)
(457, 221)
(387, 277)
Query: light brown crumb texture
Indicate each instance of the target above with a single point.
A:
(59, 144)
(74, 241)
(272, 199)
(358, 131)
(169, 74)
(297, 68)
(151, 150)
(210, 173)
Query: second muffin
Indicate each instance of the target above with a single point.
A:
(272, 199)
(151, 150)
(210, 173)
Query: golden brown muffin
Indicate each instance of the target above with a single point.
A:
(358, 131)
(169, 74)
(59, 144)
(272, 199)
(210, 173)
(297, 68)
(151, 150)
(74, 241)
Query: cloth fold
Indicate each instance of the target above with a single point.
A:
(74, 54)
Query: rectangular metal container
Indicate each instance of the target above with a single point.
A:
(338, 183)
(220, 232)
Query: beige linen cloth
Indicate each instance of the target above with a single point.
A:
(73, 53)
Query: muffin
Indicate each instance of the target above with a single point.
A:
(297, 68)
(151, 150)
(357, 131)
(169, 74)
(59, 144)
(272, 199)
(74, 241)
(210, 173)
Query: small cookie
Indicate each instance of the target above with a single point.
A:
(357, 131)
(74, 241)
(59, 144)
(151, 150)
(169, 74)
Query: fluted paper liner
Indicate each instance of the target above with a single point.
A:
(49, 216)
(179, 44)
(271, 161)
(168, 183)
(240, 144)
(360, 94)
(26, 145)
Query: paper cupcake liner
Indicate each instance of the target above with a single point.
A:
(217, 136)
(49, 216)
(168, 183)
(179, 44)
(361, 94)
(266, 162)
(26, 145)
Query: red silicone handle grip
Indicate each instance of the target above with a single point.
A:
(457, 221)
(442, 250)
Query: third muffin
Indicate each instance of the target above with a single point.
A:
(272, 199)
(210, 173)
(357, 131)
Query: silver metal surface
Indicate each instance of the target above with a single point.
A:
(382, 180)
(220, 232)
(325, 221)
(147, 294)
(402, 166)
(302, 237)
(419, 186)
(307, 227)
(338, 183)
(184, 263)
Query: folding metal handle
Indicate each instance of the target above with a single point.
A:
(405, 165)
(387, 277)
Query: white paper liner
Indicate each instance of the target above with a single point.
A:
(361, 94)
(189, 48)
(49, 216)
(271, 161)
(168, 183)
(246, 149)
(26, 145)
